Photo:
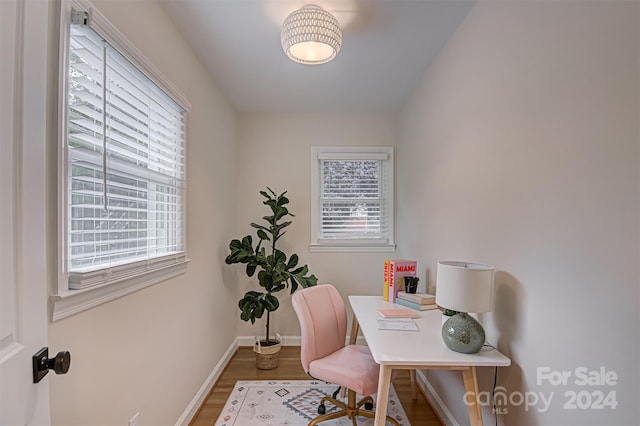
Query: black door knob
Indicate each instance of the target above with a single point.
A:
(42, 363)
(60, 363)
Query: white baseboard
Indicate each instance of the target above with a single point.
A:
(204, 390)
(434, 399)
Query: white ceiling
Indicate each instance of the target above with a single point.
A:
(387, 47)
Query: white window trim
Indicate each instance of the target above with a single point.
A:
(345, 246)
(66, 302)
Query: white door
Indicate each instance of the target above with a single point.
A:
(23, 277)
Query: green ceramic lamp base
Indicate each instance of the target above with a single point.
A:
(462, 333)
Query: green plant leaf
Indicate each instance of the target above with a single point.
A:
(301, 270)
(293, 261)
(309, 281)
(258, 226)
(251, 269)
(278, 288)
(240, 251)
(247, 243)
(251, 306)
(263, 235)
(258, 312)
(280, 212)
(294, 284)
(279, 257)
(271, 302)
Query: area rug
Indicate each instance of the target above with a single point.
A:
(290, 403)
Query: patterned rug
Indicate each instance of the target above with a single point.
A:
(290, 403)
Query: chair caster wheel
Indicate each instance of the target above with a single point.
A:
(368, 406)
(321, 409)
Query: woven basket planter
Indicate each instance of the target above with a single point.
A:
(267, 357)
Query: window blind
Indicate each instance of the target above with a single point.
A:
(353, 201)
(126, 164)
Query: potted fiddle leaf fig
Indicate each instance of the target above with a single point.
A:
(276, 272)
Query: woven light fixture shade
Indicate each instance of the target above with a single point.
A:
(311, 35)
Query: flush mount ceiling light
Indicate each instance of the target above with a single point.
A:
(311, 35)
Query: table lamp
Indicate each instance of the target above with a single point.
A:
(464, 287)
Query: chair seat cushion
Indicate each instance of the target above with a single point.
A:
(352, 367)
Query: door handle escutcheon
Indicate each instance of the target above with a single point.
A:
(42, 363)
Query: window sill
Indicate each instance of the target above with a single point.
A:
(71, 302)
(328, 248)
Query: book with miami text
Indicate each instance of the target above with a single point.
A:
(398, 269)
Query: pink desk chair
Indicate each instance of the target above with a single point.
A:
(325, 356)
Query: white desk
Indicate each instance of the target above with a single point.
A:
(411, 350)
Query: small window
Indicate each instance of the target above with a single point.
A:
(352, 199)
(122, 164)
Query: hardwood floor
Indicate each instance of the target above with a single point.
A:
(242, 367)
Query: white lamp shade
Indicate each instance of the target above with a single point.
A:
(464, 286)
(311, 35)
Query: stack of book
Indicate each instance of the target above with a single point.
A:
(417, 301)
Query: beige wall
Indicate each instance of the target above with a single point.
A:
(275, 150)
(520, 149)
(150, 352)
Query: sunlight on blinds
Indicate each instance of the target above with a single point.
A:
(126, 160)
(353, 199)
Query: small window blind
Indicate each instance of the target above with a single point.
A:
(354, 197)
(125, 165)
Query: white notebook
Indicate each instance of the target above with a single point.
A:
(402, 324)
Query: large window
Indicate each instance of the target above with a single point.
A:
(122, 167)
(352, 199)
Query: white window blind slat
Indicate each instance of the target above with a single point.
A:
(84, 69)
(356, 156)
(161, 152)
(92, 161)
(85, 84)
(88, 45)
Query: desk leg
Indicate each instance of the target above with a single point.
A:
(471, 396)
(355, 327)
(412, 375)
(384, 382)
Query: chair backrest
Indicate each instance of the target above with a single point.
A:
(323, 322)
